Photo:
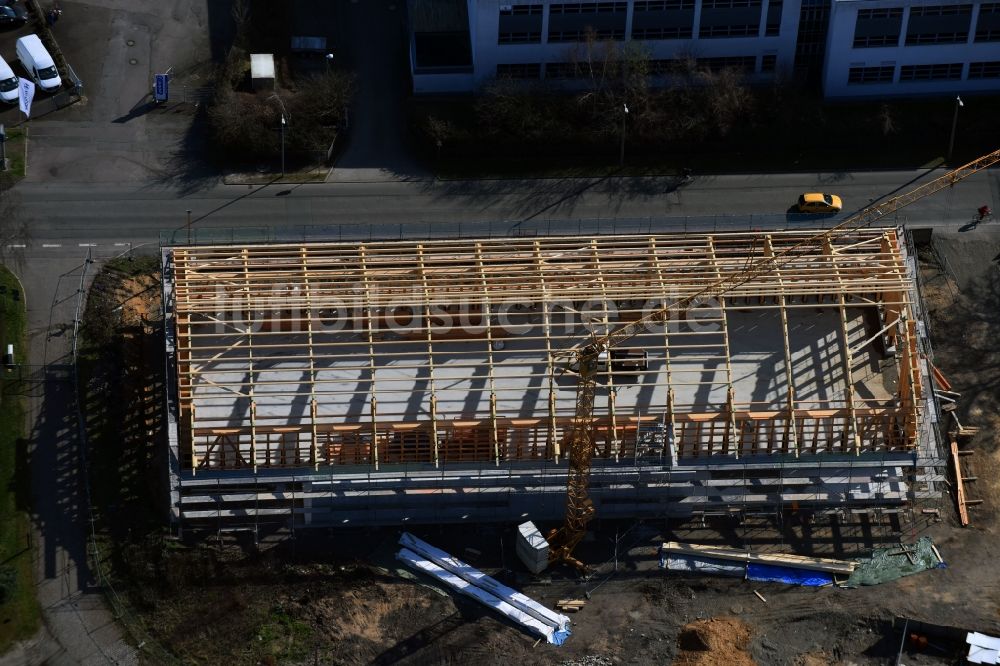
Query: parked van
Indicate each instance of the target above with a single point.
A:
(8, 83)
(38, 62)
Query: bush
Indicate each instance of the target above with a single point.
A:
(247, 125)
(243, 125)
(512, 116)
(8, 583)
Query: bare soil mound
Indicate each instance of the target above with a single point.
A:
(717, 641)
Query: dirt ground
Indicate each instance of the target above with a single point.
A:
(340, 598)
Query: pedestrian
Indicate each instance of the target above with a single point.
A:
(50, 17)
(984, 212)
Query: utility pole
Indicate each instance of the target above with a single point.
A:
(954, 125)
(621, 154)
(284, 113)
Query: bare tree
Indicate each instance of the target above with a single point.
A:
(241, 17)
(728, 99)
(886, 120)
(243, 124)
(614, 75)
(512, 108)
(319, 106)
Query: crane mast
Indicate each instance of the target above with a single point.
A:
(581, 442)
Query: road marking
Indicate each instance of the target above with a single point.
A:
(88, 244)
(17, 245)
(51, 244)
(121, 244)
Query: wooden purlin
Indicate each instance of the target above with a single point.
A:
(606, 374)
(250, 366)
(670, 435)
(730, 392)
(371, 357)
(851, 430)
(487, 314)
(791, 429)
(549, 353)
(313, 407)
(435, 435)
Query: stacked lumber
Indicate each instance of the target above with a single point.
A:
(776, 559)
(570, 605)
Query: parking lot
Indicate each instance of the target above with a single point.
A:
(44, 102)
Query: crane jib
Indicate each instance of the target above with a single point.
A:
(579, 507)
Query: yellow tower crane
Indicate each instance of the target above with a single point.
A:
(580, 440)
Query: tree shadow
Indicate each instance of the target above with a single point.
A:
(57, 483)
(189, 168)
(139, 109)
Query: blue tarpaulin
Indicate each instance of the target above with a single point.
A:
(771, 574)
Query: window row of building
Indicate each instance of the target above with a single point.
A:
(938, 24)
(654, 20)
(952, 71)
(659, 67)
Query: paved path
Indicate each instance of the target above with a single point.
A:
(370, 40)
(77, 626)
(104, 139)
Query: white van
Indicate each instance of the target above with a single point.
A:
(8, 83)
(38, 62)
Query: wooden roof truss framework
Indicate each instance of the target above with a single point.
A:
(243, 312)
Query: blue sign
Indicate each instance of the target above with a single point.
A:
(161, 89)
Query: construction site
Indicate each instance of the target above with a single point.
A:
(392, 383)
(708, 427)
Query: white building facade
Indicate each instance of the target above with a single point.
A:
(880, 48)
(859, 48)
(540, 40)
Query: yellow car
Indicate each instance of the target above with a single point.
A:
(816, 202)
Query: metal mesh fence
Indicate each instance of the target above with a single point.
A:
(420, 230)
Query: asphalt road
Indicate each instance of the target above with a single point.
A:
(65, 217)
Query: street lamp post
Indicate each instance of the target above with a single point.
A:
(954, 125)
(621, 153)
(329, 61)
(284, 112)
